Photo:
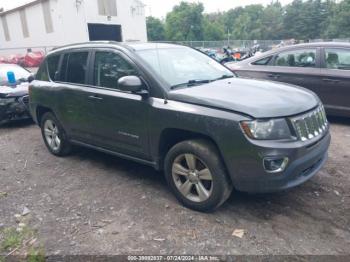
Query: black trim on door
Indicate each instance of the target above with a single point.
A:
(90, 82)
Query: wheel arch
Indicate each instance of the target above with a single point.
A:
(169, 137)
(40, 112)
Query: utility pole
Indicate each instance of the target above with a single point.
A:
(228, 36)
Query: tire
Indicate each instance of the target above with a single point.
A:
(52, 129)
(188, 163)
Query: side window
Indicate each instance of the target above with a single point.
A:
(74, 67)
(297, 58)
(52, 66)
(264, 61)
(109, 67)
(338, 59)
(63, 70)
(42, 75)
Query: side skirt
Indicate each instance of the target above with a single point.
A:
(155, 165)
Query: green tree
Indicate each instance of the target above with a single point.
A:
(272, 21)
(213, 28)
(230, 17)
(302, 20)
(306, 20)
(185, 22)
(155, 29)
(293, 20)
(248, 24)
(339, 21)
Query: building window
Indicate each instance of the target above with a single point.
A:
(6, 28)
(107, 7)
(24, 23)
(47, 16)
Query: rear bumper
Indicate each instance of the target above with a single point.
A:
(304, 163)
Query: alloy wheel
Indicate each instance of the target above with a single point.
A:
(52, 135)
(192, 177)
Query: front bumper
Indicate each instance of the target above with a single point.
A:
(304, 162)
(14, 109)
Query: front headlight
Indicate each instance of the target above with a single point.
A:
(274, 129)
(7, 100)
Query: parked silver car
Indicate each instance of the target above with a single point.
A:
(14, 97)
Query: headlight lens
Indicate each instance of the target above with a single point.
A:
(274, 129)
(6, 100)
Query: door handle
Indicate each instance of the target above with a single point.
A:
(95, 97)
(274, 75)
(330, 80)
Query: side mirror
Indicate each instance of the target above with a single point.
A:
(130, 84)
(31, 78)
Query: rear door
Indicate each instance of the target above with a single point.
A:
(76, 106)
(335, 80)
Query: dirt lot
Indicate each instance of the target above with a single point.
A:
(92, 203)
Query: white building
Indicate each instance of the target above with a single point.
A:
(60, 22)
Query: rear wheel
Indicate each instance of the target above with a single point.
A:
(54, 136)
(197, 176)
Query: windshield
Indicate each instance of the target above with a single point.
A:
(21, 74)
(184, 65)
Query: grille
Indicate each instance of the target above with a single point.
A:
(25, 100)
(310, 125)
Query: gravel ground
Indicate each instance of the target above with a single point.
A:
(92, 203)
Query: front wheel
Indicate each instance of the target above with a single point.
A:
(54, 136)
(196, 174)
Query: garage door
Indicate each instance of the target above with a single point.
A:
(98, 32)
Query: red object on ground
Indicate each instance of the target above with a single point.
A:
(3, 60)
(33, 59)
(15, 59)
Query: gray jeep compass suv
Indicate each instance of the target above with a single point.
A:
(176, 109)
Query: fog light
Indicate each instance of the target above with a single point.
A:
(275, 165)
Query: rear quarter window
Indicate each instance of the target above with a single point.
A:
(53, 66)
(42, 74)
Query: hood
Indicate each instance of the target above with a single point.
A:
(19, 90)
(257, 98)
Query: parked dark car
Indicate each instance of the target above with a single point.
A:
(178, 110)
(14, 96)
(321, 67)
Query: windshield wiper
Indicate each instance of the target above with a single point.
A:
(198, 82)
(191, 83)
(223, 77)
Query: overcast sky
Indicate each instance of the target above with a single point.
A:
(159, 8)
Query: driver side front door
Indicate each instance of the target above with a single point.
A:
(121, 118)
